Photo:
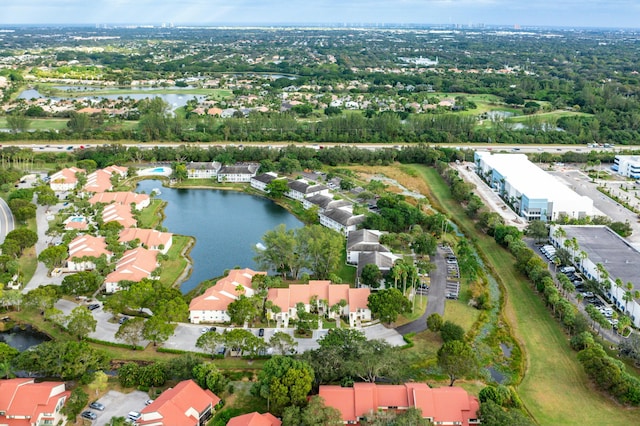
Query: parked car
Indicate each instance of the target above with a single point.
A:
(261, 332)
(93, 306)
(122, 320)
(148, 402)
(134, 415)
(97, 406)
(89, 415)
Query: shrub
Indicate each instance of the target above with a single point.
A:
(434, 322)
(451, 331)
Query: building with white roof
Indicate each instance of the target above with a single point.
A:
(532, 193)
(604, 256)
(627, 165)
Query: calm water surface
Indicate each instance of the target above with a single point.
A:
(226, 224)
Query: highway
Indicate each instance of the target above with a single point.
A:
(7, 222)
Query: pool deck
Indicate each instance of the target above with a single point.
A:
(154, 171)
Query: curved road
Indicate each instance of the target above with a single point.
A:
(7, 223)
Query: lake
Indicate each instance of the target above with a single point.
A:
(173, 100)
(226, 224)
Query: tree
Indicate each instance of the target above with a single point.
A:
(210, 341)
(451, 331)
(131, 331)
(209, 377)
(538, 230)
(239, 340)
(41, 298)
(456, 358)
(76, 402)
(284, 382)
(46, 196)
(494, 415)
(371, 275)
(128, 374)
(321, 248)
(157, 330)
(79, 122)
(434, 322)
(316, 413)
(283, 343)
(24, 237)
(410, 417)
(83, 282)
(18, 123)
(388, 304)
(424, 244)
(280, 251)
(66, 360)
(242, 310)
(54, 256)
(22, 210)
(179, 172)
(277, 188)
(81, 322)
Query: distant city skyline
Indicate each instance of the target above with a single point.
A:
(552, 13)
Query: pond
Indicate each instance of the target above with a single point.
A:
(22, 338)
(174, 100)
(227, 226)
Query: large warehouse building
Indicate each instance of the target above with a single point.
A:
(608, 257)
(530, 191)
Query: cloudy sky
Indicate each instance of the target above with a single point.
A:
(571, 13)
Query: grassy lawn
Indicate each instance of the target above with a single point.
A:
(151, 216)
(41, 123)
(555, 388)
(420, 307)
(173, 268)
(459, 312)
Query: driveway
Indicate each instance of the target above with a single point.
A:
(105, 330)
(118, 404)
(40, 277)
(436, 299)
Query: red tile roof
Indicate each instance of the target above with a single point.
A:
(181, 405)
(25, 398)
(148, 237)
(255, 419)
(225, 291)
(134, 265)
(285, 298)
(119, 213)
(87, 245)
(452, 405)
(125, 198)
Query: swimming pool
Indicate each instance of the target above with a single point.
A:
(77, 219)
(158, 170)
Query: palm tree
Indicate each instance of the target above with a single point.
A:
(559, 233)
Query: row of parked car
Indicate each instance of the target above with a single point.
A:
(589, 297)
(549, 252)
(452, 290)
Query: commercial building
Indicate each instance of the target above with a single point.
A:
(627, 165)
(604, 256)
(530, 191)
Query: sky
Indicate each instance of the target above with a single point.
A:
(565, 13)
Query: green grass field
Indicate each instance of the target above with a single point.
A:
(40, 123)
(555, 389)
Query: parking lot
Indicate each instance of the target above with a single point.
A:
(118, 404)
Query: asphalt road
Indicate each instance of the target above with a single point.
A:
(436, 299)
(7, 222)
